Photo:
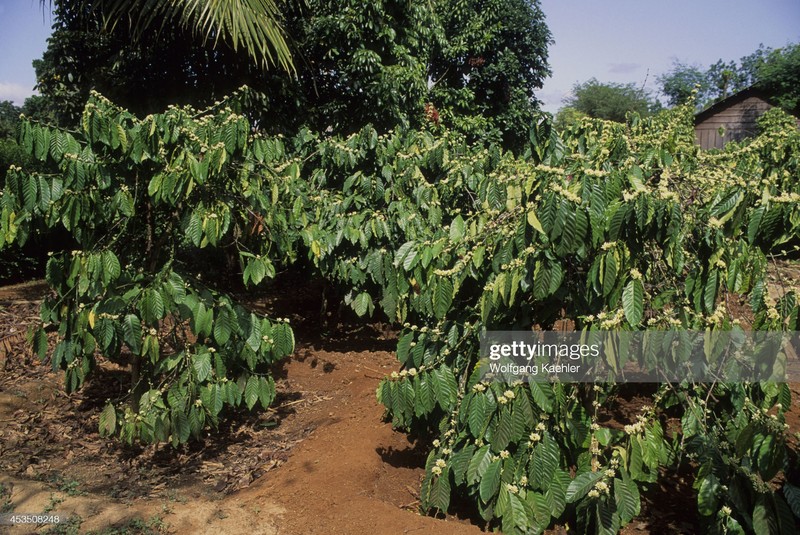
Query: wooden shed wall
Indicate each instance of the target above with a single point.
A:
(737, 120)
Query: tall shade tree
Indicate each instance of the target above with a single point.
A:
(161, 66)
(679, 83)
(611, 101)
(776, 71)
(460, 63)
(779, 74)
(253, 25)
(489, 64)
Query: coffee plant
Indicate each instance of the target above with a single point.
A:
(142, 200)
(609, 227)
(603, 226)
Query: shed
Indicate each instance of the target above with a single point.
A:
(731, 119)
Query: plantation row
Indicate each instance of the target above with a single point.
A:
(606, 226)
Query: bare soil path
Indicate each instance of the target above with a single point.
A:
(321, 461)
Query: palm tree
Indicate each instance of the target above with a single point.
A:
(251, 24)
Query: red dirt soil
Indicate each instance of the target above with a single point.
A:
(321, 461)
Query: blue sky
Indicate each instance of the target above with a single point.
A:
(619, 40)
(24, 29)
(611, 40)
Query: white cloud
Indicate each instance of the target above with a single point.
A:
(17, 93)
(623, 68)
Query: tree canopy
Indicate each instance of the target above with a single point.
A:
(611, 101)
(491, 61)
(471, 65)
(252, 25)
(779, 74)
(776, 71)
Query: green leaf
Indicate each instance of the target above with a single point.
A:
(607, 519)
(445, 386)
(108, 421)
(410, 260)
(476, 418)
(111, 267)
(254, 332)
(523, 418)
(362, 303)
(626, 495)
(633, 302)
(202, 366)
(459, 463)
(175, 288)
(609, 264)
(792, 495)
(151, 306)
(424, 395)
(29, 190)
(194, 229)
(581, 485)
(764, 521)
(405, 250)
(457, 229)
(786, 519)
(490, 482)
(104, 332)
(707, 500)
(224, 325)
(710, 291)
(755, 222)
(266, 391)
(519, 512)
(770, 454)
(503, 431)
(440, 492)
(251, 392)
(443, 297)
(40, 343)
(542, 395)
(545, 462)
(132, 333)
(181, 430)
(203, 320)
(254, 272)
(556, 495)
(403, 346)
(284, 340)
(478, 464)
(548, 276)
(213, 399)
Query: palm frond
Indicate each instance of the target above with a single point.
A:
(251, 24)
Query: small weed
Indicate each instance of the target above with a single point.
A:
(68, 486)
(5, 499)
(174, 496)
(71, 526)
(71, 488)
(153, 526)
(54, 502)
